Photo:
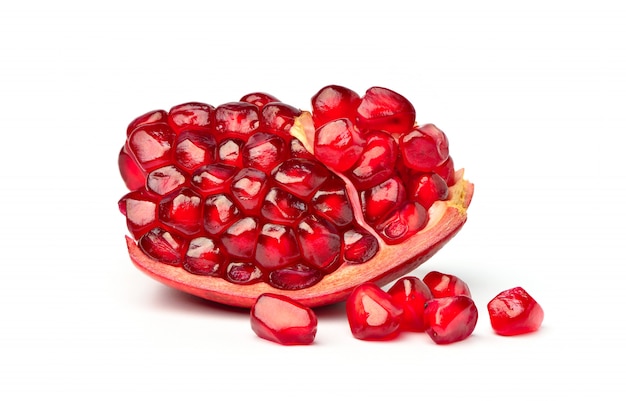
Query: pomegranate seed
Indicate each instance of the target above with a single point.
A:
(411, 294)
(331, 202)
(264, 151)
(372, 315)
(402, 222)
(214, 178)
(450, 319)
(295, 277)
(338, 144)
(427, 188)
(259, 99)
(333, 102)
(513, 312)
(248, 188)
(446, 171)
(237, 118)
(166, 179)
(204, 257)
(151, 145)
(191, 115)
(219, 213)
(195, 149)
(300, 177)
(182, 212)
(243, 273)
(140, 209)
(282, 207)
(229, 152)
(377, 162)
(278, 118)
(151, 117)
(445, 285)
(320, 242)
(380, 199)
(385, 110)
(162, 245)
(424, 148)
(132, 174)
(359, 246)
(277, 247)
(240, 238)
(282, 320)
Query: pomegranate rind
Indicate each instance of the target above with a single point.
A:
(446, 218)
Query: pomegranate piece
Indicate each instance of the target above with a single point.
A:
(450, 319)
(513, 312)
(445, 285)
(372, 314)
(257, 196)
(282, 320)
(411, 294)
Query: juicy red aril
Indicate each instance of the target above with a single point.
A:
(384, 109)
(253, 191)
(372, 315)
(445, 285)
(513, 312)
(411, 294)
(333, 102)
(424, 148)
(338, 144)
(282, 320)
(450, 319)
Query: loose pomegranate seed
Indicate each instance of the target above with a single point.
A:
(514, 311)
(282, 320)
(411, 294)
(445, 285)
(372, 315)
(424, 148)
(385, 110)
(450, 319)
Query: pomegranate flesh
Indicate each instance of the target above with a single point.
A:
(256, 196)
(282, 320)
(513, 312)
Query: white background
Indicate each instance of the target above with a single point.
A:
(531, 96)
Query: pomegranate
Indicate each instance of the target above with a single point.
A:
(513, 312)
(256, 196)
(282, 320)
(372, 314)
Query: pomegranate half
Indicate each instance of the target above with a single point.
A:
(256, 196)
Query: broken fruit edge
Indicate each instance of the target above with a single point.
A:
(446, 218)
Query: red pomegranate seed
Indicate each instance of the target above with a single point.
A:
(359, 246)
(162, 245)
(331, 202)
(240, 238)
(382, 198)
(264, 151)
(402, 222)
(338, 144)
(229, 152)
(140, 209)
(333, 102)
(277, 247)
(182, 212)
(446, 171)
(372, 315)
(445, 285)
(411, 294)
(133, 176)
(258, 99)
(278, 118)
(282, 320)
(219, 212)
(282, 207)
(427, 188)
(377, 162)
(243, 273)
(214, 178)
(195, 149)
(155, 116)
(320, 242)
(238, 118)
(193, 115)
(513, 312)
(248, 188)
(450, 319)
(385, 110)
(204, 257)
(151, 145)
(166, 180)
(293, 278)
(424, 148)
(301, 177)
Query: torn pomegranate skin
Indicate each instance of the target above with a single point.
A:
(231, 201)
(513, 312)
(450, 319)
(282, 320)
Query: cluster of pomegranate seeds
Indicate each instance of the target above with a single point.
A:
(282, 320)
(231, 192)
